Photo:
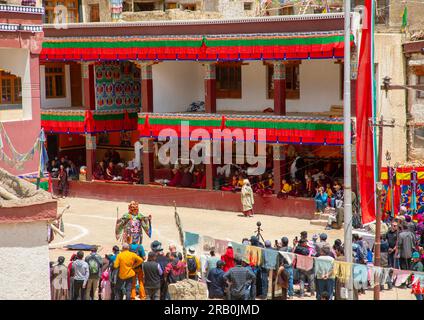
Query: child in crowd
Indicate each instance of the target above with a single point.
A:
(106, 291)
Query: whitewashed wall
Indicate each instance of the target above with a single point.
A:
(177, 84)
(59, 102)
(24, 263)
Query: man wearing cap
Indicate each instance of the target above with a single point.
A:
(216, 282)
(240, 280)
(322, 243)
(193, 264)
(152, 274)
(126, 261)
(163, 261)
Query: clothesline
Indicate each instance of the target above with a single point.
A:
(268, 258)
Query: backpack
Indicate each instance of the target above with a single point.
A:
(191, 264)
(93, 266)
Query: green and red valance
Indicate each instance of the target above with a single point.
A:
(291, 130)
(88, 121)
(210, 47)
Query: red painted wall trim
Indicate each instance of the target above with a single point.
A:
(29, 213)
(302, 208)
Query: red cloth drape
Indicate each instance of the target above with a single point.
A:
(364, 136)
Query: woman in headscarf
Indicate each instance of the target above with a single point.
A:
(247, 199)
(60, 280)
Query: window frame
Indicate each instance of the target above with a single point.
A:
(75, 9)
(12, 78)
(229, 92)
(291, 94)
(53, 75)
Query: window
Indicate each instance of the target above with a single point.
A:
(247, 6)
(94, 13)
(10, 88)
(171, 5)
(144, 6)
(292, 80)
(286, 11)
(420, 80)
(70, 16)
(55, 81)
(191, 6)
(228, 80)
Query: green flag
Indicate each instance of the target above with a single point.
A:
(404, 19)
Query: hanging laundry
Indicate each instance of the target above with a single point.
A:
(253, 255)
(239, 251)
(375, 273)
(400, 276)
(324, 267)
(290, 257)
(360, 276)
(220, 246)
(342, 270)
(191, 239)
(270, 259)
(208, 243)
(304, 263)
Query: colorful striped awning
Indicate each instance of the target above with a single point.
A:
(88, 121)
(277, 129)
(316, 45)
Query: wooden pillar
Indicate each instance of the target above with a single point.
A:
(210, 169)
(148, 164)
(279, 166)
(88, 84)
(90, 155)
(279, 79)
(210, 87)
(146, 88)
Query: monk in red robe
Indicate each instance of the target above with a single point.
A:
(176, 180)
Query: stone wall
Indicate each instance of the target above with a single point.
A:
(389, 62)
(104, 9)
(24, 267)
(172, 14)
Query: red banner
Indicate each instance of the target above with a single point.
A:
(364, 112)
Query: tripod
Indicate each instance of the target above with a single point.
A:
(258, 231)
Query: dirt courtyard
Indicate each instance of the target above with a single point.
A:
(93, 222)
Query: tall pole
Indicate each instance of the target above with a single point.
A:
(347, 147)
(377, 241)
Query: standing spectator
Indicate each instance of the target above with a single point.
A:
(211, 261)
(71, 276)
(60, 280)
(163, 261)
(417, 266)
(247, 199)
(95, 262)
(193, 265)
(392, 237)
(105, 286)
(175, 270)
(81, 273)
(283, 280)
(239, 279)
(152, 273)
(126, 261)
(113, 272)
(63, 184)
(215, 281)
(322, 243)
(406, 246)
(288, 265)
(173, 248)
(138, 249)
(302, 249)
(228, 257)
(324, 273)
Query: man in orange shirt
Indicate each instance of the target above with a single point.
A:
(126, 261)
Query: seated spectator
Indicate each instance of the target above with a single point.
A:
(187, 178)
(110, 172)
(269, 185)
(232, 185)
(197, 178)
(136, 176)
(72, 170)
(100, 171)
(176, 180)
(321, 199)
(286, 188)
(297, 190)
(116, 158)
(330, 194)
(63, 162)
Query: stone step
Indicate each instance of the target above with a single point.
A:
(318, 222)
(318, 216)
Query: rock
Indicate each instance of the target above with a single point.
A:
(188, 289)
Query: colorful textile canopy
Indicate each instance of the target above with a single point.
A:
(88, 121)
(211, 47)
(288, 130)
